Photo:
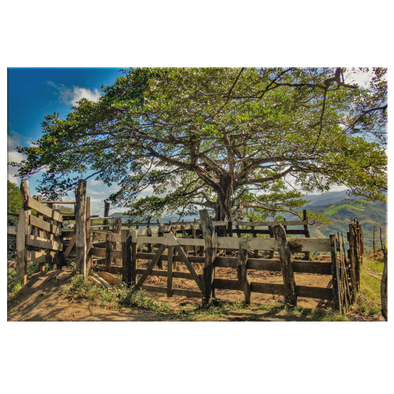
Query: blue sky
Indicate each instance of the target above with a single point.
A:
(33, 93)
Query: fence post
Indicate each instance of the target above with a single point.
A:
(242, 273)
(289, 286)
(210, 253)
(89, 257)
(307, 234)
(335, 274)
(160, 234)
(80, 228)
(133, 269)
(108, 251)
(117, 230)
(106, 212)
(169, 270)
(352, 259)
(41, 234)
(22, 230)
(126, 256)
(385, 288)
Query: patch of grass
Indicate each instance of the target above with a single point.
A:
(368, 300)
(81, 288)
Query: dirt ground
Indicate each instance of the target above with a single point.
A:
(43, 299)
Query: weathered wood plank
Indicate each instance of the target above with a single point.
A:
(113, 280)
(296, 245)
(266, 288)
(22, 231)
(242, 273)
(40, 257)
(21, 234)
(89, 245)
(170, 271)
(80, 228)
(59, 202)
(289, 285)
(37, 222)
(42, 243)
(320, 293)
(11, 230)
(150, 267)
(260, 224)
(133, 257)
(149, 256)
(70, 246)
(126, 256)
(44, 210)
(335, 274)
(109, 250)
(99, 252)
(184, 258)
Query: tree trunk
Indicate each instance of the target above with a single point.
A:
(224, 196)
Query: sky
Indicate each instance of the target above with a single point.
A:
(35, 92)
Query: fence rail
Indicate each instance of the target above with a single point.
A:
(45, 238)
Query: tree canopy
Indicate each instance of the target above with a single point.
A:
(222, 138)
(14, 202)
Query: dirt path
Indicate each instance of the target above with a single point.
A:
(43, 300)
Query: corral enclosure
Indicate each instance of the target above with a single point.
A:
(189, 251)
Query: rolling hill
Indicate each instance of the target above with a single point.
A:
(340, 209)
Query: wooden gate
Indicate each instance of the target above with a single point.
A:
(38, 236)
(172, 244)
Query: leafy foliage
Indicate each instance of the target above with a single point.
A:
(223, 138)
(14, 202)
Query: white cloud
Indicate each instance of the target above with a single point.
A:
(97, 193)
(96, 183)
(13, 140)
(74, 94)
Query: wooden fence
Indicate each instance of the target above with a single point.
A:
(50, 237)
(139, 245)
(38, 236)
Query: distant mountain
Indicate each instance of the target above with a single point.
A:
(339, 208)
(326, 198)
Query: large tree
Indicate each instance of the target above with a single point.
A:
(223, 138)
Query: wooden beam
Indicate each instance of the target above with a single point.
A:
(283, 223)
(44, 210)
(51, 228)
(242, 273)
(126, 256)
(59, 202)
(99, 252)
(109, 249)
(169, 270)
(150, 266)
(289, 285)
(42, 243)
(335, 274)
(184, 258)
(89, 257)
(70, 246)
(22, 231)
(113, 280)
(80, 228)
